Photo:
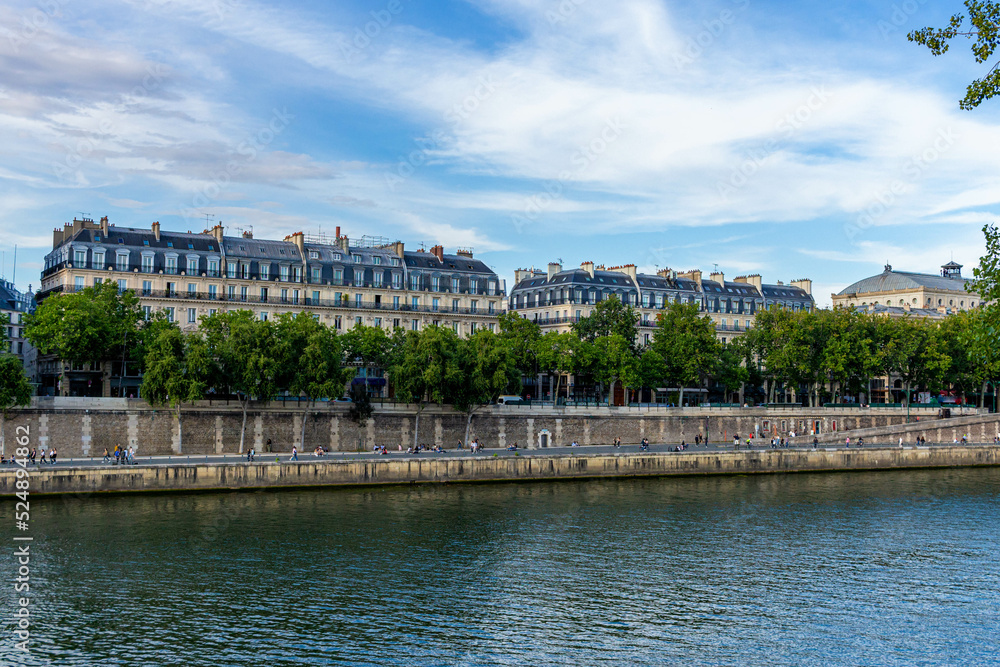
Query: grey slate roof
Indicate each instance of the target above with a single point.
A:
(888, 281)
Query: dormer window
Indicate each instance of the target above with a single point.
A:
(170, 244)
(145, 242)
(313, 254)
(190, 246)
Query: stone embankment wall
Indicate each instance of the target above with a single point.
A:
(206, 477)
(84, 427)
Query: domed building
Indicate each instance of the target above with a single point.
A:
(898, 293)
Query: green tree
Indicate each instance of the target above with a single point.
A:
(15, 389)
(310, 361)
(688, 345)
(428, 368)
(614, 360)
(177, 369)
(609, 317)
(984, 26)
(489, 367)
(561, 354)
(97, 324)
(245, 350)
(520, 336)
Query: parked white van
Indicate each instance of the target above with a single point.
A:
(510, 400)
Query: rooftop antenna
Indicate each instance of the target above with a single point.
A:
(716, 267)
(209, 220)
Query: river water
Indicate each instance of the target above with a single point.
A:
(890, 568)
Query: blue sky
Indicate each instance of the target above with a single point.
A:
(793, 140)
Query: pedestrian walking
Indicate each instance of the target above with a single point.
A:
(107, 456)
(52, 456)
(295, 454)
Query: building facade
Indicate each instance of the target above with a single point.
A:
(557, 298)
(14, 305)
(189, 275)
(900, 293)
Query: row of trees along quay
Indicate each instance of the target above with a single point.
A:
(824, 354)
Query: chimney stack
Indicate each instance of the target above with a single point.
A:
(718, 277)
(554, 268)
(105, 226)
(156, 230)
(694, 275)
(803, 284)
(217, 233)
(588, 267)
(438, 251)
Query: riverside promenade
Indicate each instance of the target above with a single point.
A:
(159, 474)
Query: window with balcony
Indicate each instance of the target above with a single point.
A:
(283, 272)
(231, 270)
(192, 315)
(454, 285)
(316, 274)
(395, 303)
(473, 285)
(397, 281)
(98, 259)
(265, 271)
(192, 266)
(232, 292)
(192, 289)
(171, 289)
(435, 304)
(243, 293)
(171, 266)
(414, 282)
(315, 297)
(263, 295)
(147, 263)
(435, 284)
(80, 258)
(413, 324)
(358, 300)
(454, 305)
(359, 278)
(245, 271)
(147, 287)
(213, 268)
(474, 306)
(296, 274)
(492, 307)
(415, 302)
(377, 279)
(122, 263)
(170, 314)
(78, 283)
(338, 276)
(213, 291)
(491, 288)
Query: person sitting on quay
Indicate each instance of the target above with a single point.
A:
(512, 448)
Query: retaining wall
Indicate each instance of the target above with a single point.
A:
(85, 427)
(206, 477)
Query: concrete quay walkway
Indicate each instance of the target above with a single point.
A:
(332, 457)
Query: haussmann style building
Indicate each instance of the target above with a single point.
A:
(373, 281)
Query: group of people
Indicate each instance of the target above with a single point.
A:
(121, 455)
(34, 455)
